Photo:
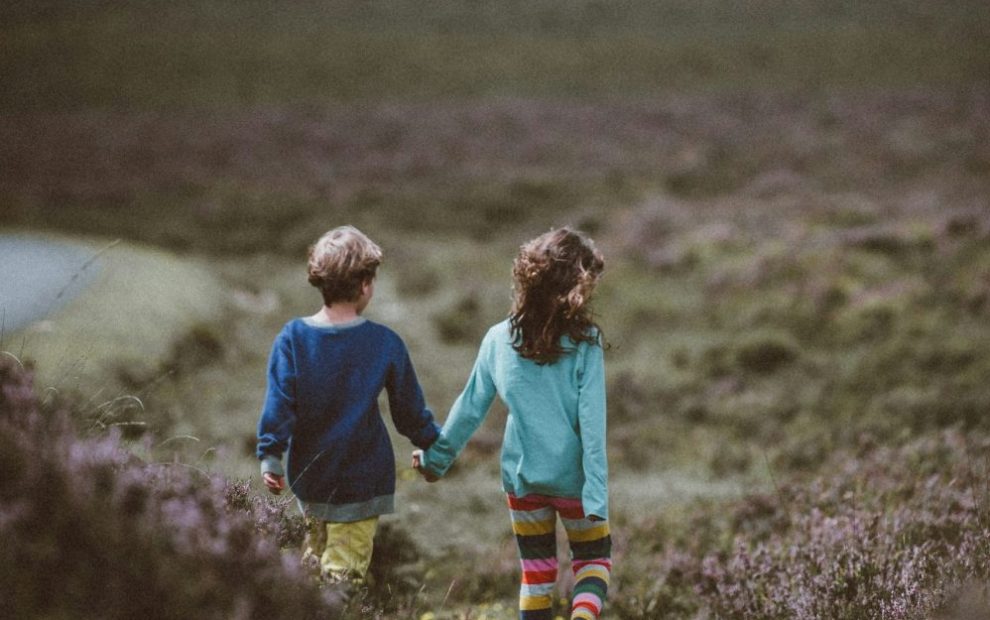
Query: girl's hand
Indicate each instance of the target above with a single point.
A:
(417, 463)
(275, 484)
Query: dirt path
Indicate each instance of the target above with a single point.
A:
(39, 276)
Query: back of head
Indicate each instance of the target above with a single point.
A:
(554, 276)
(340, 262)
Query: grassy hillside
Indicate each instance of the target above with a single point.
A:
(231, 54)
(138, 323)
(792, 198)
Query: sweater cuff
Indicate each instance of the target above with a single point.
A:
(427, 436)
(593, 505)
(272, 465)
(435, 461)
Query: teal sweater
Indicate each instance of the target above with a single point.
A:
(555, 434)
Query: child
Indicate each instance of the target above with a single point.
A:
(546, 363)
(324, 377)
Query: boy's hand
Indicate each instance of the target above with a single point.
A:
(417, 463)
(275, 484)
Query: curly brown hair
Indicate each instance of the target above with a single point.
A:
(554, 276)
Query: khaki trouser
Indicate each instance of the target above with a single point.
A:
(343, 550)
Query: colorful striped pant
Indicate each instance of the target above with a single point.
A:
(534, 522)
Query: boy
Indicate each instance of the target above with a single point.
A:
(324, 377)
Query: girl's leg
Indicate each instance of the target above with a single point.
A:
(534, 524)
(591, 559)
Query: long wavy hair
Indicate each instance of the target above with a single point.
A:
(554, 276)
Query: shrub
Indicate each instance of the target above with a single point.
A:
(460, 323)
(394, 573)
(889, 240)
(90, 530)
(888, 533)
(758, 353)
(765, 353)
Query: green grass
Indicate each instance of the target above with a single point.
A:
(127, 322)
(230, 54)
(791, 197)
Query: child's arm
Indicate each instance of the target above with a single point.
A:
(278, 416)
(591, 418)
(409, 412)
(465, 417)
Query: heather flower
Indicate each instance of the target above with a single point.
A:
(115, 537)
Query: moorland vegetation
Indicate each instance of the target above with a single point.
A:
(792, 201)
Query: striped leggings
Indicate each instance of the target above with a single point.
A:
(534, 522)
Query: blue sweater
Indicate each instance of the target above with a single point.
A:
(322, 408)
(555, 434)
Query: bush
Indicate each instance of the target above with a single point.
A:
(889, 533)
(460, 323)
(765, 353)
(758, 353)
(89, 530)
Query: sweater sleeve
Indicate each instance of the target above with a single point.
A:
(467, 414)
(591, 418)
(406, 403)
(278, 415)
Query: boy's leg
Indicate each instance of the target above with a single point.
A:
(534, 524)
(347, 554)
(316, 543)
(591, 559)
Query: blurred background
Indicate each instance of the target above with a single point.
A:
(793, 199)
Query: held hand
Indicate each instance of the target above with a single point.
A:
(275, 484)
(417, 463)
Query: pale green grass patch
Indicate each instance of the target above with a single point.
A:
(141, 300)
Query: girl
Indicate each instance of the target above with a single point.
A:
(545, 362)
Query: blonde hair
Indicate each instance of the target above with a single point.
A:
(341, 261)
(554, 276)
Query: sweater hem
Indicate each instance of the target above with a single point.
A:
(272, 465)
(343, 513)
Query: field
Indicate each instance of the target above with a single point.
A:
(794, 204)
